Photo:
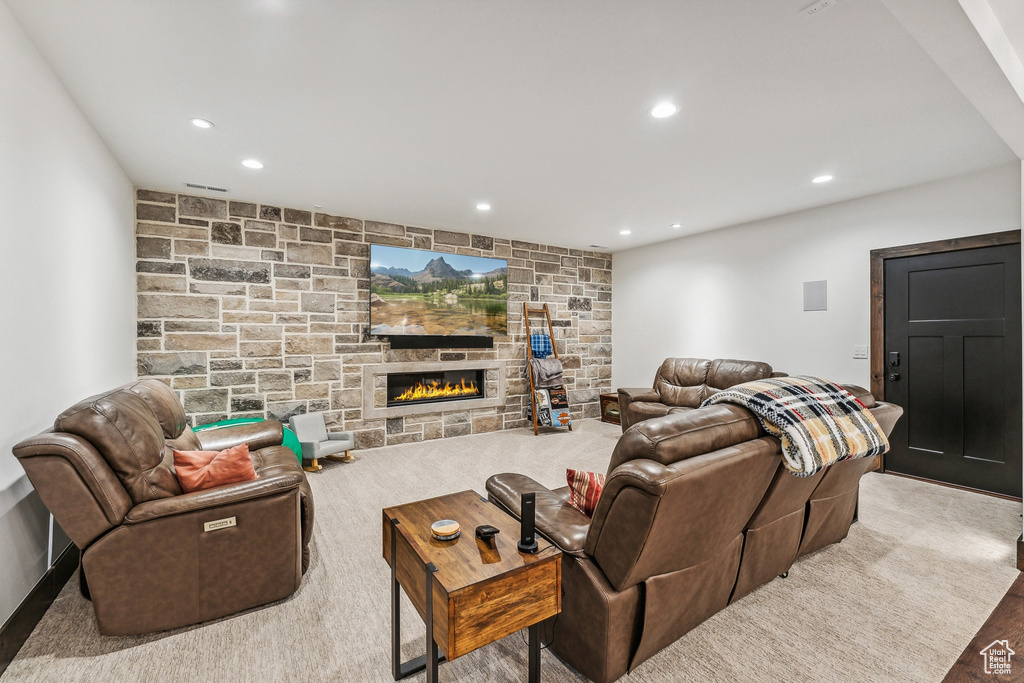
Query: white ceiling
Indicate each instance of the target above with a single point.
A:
(1010, 14)
(412, 112)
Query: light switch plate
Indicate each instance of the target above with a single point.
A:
(860, 352)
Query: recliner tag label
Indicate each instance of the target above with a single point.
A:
(219, 524)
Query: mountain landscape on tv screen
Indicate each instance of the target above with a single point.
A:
(437, 298)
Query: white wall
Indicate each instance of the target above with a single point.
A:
(66, 274)
(738, 292)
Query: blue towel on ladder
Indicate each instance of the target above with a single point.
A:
(541, 345)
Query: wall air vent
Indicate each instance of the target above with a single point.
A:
(211, 188)
(817, 7)
(599, 246)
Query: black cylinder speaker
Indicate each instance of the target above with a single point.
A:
(528, 513)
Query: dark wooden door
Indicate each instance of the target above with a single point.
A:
(953, 362)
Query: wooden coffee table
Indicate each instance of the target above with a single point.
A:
(478, 592)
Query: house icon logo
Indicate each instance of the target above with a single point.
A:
(997, 657)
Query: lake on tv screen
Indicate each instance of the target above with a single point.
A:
(430, 293)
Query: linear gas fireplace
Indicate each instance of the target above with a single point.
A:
(415, 387)
(406, 388)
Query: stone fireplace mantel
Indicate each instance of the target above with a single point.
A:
(375, 388)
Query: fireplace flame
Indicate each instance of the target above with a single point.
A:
(421, 392)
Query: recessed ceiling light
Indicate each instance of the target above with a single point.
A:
(625, 232)
(483, 206)
(664, 110)
(252, 163)
(677, 225)
(822, 179)
(201, 123)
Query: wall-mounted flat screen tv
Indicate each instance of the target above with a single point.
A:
(415, 292)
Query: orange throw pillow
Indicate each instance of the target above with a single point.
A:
(584, 490)
(198, 470)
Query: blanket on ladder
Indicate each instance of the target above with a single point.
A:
(818, 422)
(547, 372)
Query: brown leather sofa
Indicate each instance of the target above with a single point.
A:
(148, 562)
(697, 511)
(682, 384)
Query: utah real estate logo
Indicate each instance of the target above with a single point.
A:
(997, 657)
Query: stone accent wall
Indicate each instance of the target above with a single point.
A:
(250, 310)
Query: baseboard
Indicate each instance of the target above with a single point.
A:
(1020, 553)
(1015, 499)
(18, 627)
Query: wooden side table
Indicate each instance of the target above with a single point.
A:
(610, 408)
(469, 593)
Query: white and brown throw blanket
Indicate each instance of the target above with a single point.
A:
(818, 422)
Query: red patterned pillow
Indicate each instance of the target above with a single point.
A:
(198, 470)
(584, 490)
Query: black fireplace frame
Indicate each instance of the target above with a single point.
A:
(398, 382)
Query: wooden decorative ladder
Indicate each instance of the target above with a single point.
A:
(527, 311)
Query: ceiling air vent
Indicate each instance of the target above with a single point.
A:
(599, 246)
(817, 7)
(211, 188)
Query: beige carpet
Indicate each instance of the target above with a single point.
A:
(898, 600)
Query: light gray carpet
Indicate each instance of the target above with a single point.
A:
(899, 599)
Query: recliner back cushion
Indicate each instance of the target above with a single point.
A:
(680, 381)
(186, 441)
(681, 435)
(126, 432)
(654, 519)
(164, 403)
(727, 372)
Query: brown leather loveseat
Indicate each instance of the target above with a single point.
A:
(697, 511)
(682, 384)
(153, 558)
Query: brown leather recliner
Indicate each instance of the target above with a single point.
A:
(682, 384)
(697, 510)
(152, 557)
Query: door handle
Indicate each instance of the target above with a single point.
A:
(894, 376)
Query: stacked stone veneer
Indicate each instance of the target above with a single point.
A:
(249, 310)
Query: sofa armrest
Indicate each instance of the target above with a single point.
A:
(639, 394)
(678, 436)
(886, 414)
(506, 489)
(556, 520)
(634, 395)
(308, 450)
(216, 497)
(279, 460)
(257, 434)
